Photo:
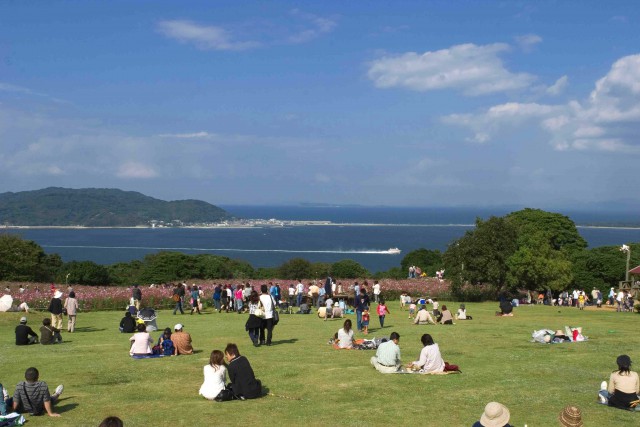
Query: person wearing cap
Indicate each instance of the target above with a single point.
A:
(33, 396)
(387, 358)
(181, 340)
(571, 416)
(495, 415)
(55, 308)
(24, 333)
(623, 388)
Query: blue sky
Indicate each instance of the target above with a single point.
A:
(412, 103)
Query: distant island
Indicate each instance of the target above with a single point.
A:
(103, 207)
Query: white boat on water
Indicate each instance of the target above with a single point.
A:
(394, 251)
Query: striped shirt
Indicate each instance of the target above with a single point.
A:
(37, 392)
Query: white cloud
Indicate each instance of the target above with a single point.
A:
(206, 37)
(319, 26)
(528, 41)
(472, 69)
(558, 87)
(136, 170)
(609, 120)
(195, 135)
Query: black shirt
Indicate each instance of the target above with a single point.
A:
(243, 380)
(23, 332)
(55, 306)
(128, 324)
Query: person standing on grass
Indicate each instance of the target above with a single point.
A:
(71, 305)
(33, 396)
(244, 384)
(328, 287)
(177, 298)
(254, 322)
(268, 305)
(299, 292)
(136, 294)
(361, 303)
(382, 311)
(239, 296)
(387, 358)
(55, 308)
(376, 291)
(195, 298)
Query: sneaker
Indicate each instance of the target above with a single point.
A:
(603, 385)
(59, 389)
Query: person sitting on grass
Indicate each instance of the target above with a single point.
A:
(24, 334)
(430, 359)
(445, 317)
(33, 396)
(140, 342)
(462, 313)
(345, 335)
(166, 343)
(495, 415)
(215, 375)
(337, 311)
(387, 358)
(181, 340)
(506, 309)
(244, 384)
(624, 386)
(304, 308)
(49, 334)
(128, 323)
(423, 317)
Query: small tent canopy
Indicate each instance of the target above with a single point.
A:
(635, 270)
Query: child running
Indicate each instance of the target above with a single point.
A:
(382, 312)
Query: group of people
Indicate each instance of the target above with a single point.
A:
(48, 333)
(168, 344)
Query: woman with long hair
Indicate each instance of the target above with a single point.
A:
(268, 305)
(215, 375)
(254, 322)
(430, 359)
(623, 387)
(345, 335)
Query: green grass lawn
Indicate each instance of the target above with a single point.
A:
(332, 387)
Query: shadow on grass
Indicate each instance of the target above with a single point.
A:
(289, 341)
(65, 408)
(89, 329)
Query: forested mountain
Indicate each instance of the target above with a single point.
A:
(100, 207)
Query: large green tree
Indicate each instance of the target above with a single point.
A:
(84, 273)
(24, 260)
(558, 229)
(348, 269)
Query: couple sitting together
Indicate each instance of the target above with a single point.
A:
(423, 317)
(387, 358)
(243, 385)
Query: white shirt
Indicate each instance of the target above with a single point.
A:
(292, 291)
(345, 338)
(376, 289)
(214, 381)
(267, 304)
(299, 288)
(329, 304)
(430, 359)
(620, 296)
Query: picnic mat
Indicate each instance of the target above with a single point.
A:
(147, 356)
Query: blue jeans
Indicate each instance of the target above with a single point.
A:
(238, 305)
(381, 321)
(178, 307)
(299, 299)
(359, 319)
(216, 304)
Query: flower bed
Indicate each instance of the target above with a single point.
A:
(90, 298)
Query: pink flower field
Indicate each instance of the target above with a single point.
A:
(38, 295)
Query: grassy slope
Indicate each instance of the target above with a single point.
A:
(535, 381)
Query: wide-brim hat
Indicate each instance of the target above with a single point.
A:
(58, 294)
(570, 417)
(495, 415)
(559, 333)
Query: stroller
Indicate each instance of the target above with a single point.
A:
(148, 316)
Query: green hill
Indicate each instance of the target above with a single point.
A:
(100, 207)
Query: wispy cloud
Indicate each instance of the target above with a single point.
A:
(528, 41)
(136, 170)
(558, 87)
(469, 68)
(206, 37)
(195, 135)
(11, 88)
(319, 26)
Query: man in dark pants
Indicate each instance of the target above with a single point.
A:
(361, 304)
(244, 384)
(178, 298)
(24, 334)
(328, 287)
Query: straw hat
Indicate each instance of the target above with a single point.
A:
(495, 415)
(570, 417)
(559, 333)
(58, 294)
